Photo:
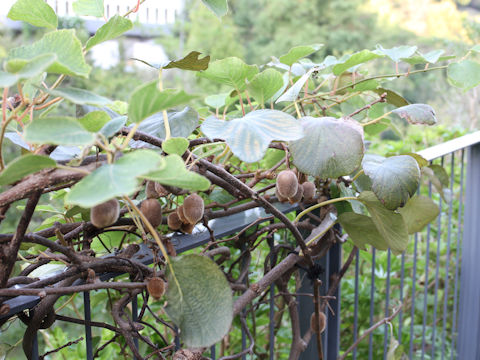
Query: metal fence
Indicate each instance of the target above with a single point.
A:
(435, 280)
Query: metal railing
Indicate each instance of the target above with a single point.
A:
(435, 280)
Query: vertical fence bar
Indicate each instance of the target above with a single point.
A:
(355, 313)
(400, 315)
(135, 316)
(412, 306)
(372, 306)
(212, 352)
(425, 291)
(333, 330)
(305, 310)
(468, 346)
(387, 305)
(271, 324)
(88, 327)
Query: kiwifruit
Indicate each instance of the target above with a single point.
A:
(298, 196)
(309, 190)
(156, 287)
(161, 191)
(181, 215)
(187, 228)
(152, 210)
(193, 208)
(318, 325)
(150, 191)
(105, 214)
(287, 183)
(280, 197)
(174, 221)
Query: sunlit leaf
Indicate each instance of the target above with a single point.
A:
(115, 27)
(292, 93)
(355, 59)
(417, 114)
(429, 58)
(94, 120)
(89, 7)
(264, 85)
(298, 52)
(397, 53)
(30, 69)
(230, 71)
(418, 212)
(175, 145)
(362, 230)
(57, 130)
(464, 74)
(23, 166)
(35, 12)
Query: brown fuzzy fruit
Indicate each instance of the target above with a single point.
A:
(309, 190)
(187, 228)
(174, 221)
(152, 210)
(181, 214)
(287, 183)
(193, 208)
(150, 191)
(298, 196)
(280, 197)
(156, 287)
(161, 191)
(105, 214)
(318, 325)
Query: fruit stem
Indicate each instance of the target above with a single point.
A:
(323, 203)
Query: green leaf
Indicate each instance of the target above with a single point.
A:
(249, 137)
(355, 59)
(298, 52)
(389, 224)
(115, 27)
(176, 145)
(362, 230)
(63, 43)
(421, 161)
(79, 96)
(292, 93)
(475, 48)
(218, 101)
(190, 62)
(397, 53)
(464, 74)
(89, 8)
(330, 148)
(439, 178)
(431, 58)
(218, 7)
(147, 100)
(35, 12)
(230, 71)
(264, 85)
(23, 166)
(199, 300)
(94, 120)
(392, 97)
(394, 179)
(58, 131)
(417, 114)
(174, 173)
(418, 212)
(30, 69)
(113, 126)
(112, 180)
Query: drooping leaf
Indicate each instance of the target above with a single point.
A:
(63, 43)
(439, 178)
(30, 69)
(397, 53)
(112, 180)
(199, 300)
(23, 166)
(298, 52)
(79, 96)
(464, 74)
(394, 179)
(175, 145)
(330, 148)
(389, 224)
(190, 62)
(116, 26)
(113, 126)
(89, 8)
(147, 100)
(35, 12)
(421, 161)
(355, 59)
(392, 97)
(58, 131)
(417, 114)
(362, 230)
(249, 137)
(94, 120)
(292, 93)
(218, 7)
(264, 85)
(174, 173)
(429, 58)
(418, 212)
(230, 71)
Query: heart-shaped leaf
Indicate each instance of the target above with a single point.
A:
(355, 59)
(58, 131)
(218, 7)
(417, 114)
(298, 52)
(94, 120)
(23, 166)
(176, 145)
(190, 62)
(230, 71)
(35, 12)
(397, 53)
(30, 69)
(79, 96)
(394, 180)
(330, 148)
(362, 230)
(418, 212)
(174, 173)
(249, 137)
(199, 300)
(115, 27)
(464, 74)
(89, 8)
(264, 85)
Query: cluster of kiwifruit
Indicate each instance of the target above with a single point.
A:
(289, 188)
(187, 215)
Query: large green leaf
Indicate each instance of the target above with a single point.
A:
(190, 62)
(397, 53)
(35, 12)
(175, 145)
(58, 131)
(63, 43)
(417, 114)
(94, 120)
(264, 85)
(298, 52)
(30, 69)
(439, 178)
(355, 59)
(174, 173)
(147, 100)
(418, 212)
(230, 71)
(362, 230)
(115, 27)
(218, 7)
(394, 179)
(330, 148)
(199, 300)
(89, 8)
(431, 57)
(389, 224)
(23, 166)
(112, 180)
(79, 96)
(249, 137)
(464, 74)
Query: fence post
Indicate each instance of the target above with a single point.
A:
(468, 346)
